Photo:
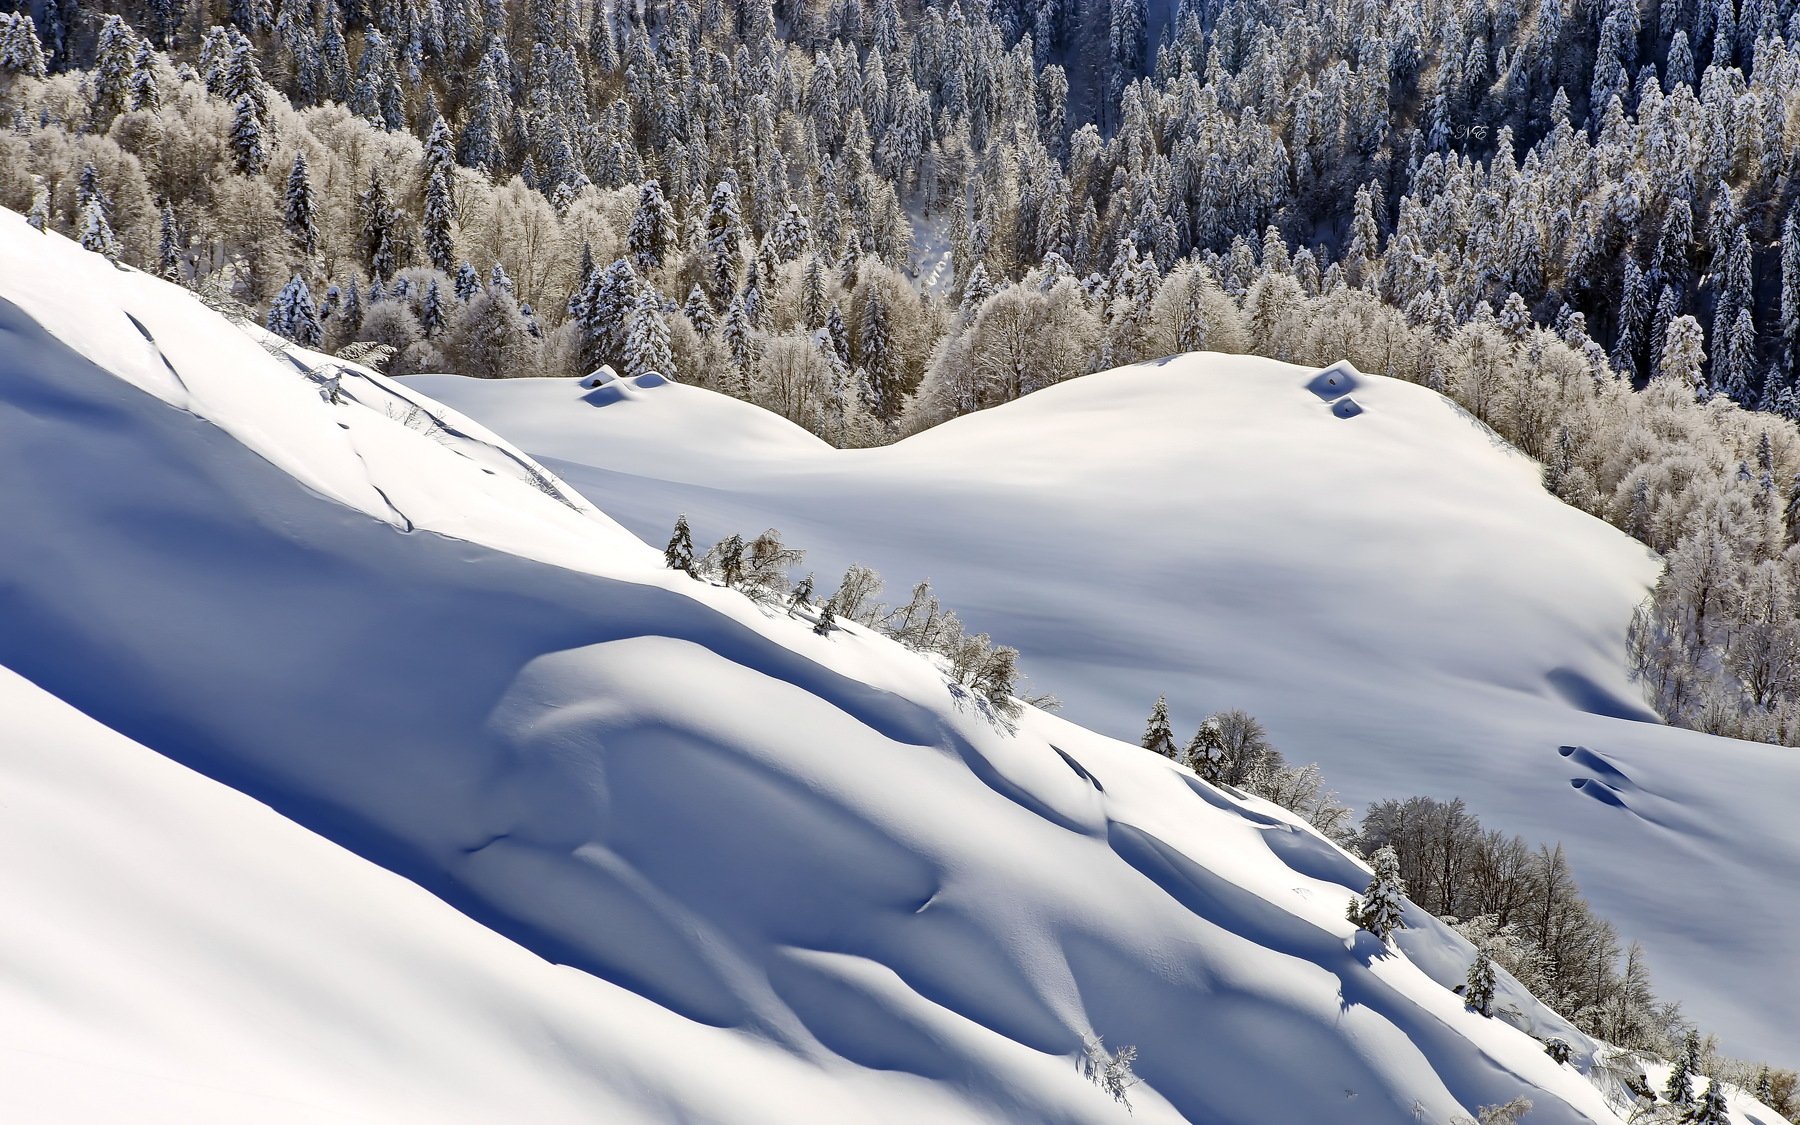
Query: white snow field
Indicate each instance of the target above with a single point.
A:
(354, 770)
(1391, 591)
(176, 952)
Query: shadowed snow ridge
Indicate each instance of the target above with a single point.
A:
(1394, 594)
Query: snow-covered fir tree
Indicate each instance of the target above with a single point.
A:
(1478, 986)
(168, 244)
(299, 210)
(1159, 737)
(651, 235)
(679, 554)
(432, 317)
(379, 236)
(20, 51)
(1381, 907)
(96, 229)
(647, 341)
(827, 622)
(39, 215)
(1711, 1109)
(248, 146)
(435, 227)
(723, 234)
(145, 93)
(294, 314)
(1679, 1089)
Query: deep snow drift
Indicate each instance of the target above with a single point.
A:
(1390, 589)
(794, 878)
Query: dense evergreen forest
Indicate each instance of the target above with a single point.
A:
(1575, 218)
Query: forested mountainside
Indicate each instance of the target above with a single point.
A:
(1624, 169)
(870, 218)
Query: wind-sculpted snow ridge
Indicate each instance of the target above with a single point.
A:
(791, 877)
(1393, 593)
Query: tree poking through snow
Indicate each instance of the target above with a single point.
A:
(1379, 909)
(1679, 1090)
(1711, 1110)
(801, 595)
(96, 229)
(1206, 753)
(1478, 988)
(1159, 738)
(1507, 1113)
(294, 314)
(679, 554)
(1109, 1070)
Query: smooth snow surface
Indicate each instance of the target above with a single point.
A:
(1387, 587)
(789, 878)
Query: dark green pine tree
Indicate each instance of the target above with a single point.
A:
(168, 245)
(248, 147)
(145, 94)
(1158, 737)
(802, 595)
(378, 229)
(1478, 987)
(1711, 1110)
(440, 246)
(431, 310)
(1379, 909)
(1680, 1088)
(1205, 753)
(468, 282)
(299, 211)
(652, 231)
(679, 554)
(827, 618)
(731, 559)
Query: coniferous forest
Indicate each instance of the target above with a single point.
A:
(1575, 218)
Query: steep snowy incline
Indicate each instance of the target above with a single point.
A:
(1391, 591)
(789, 845)
(180, 953)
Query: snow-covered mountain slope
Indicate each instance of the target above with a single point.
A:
(1391, 591)
(793, 878)
(177, 952)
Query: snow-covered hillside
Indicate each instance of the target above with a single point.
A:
(180, 953)
(792, 878)
(1391, 591)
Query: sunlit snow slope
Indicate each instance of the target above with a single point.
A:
(1391, 591)
(789, 878)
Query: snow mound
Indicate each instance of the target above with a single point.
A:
(1399, 599)
(1335, 381)
(791, 878)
